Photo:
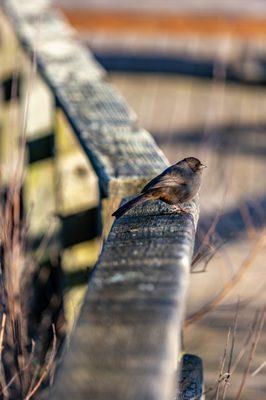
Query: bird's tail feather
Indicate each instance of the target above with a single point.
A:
(130, 204)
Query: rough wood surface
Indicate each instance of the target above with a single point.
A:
(126, 342)
(149, 23)
(191, 378)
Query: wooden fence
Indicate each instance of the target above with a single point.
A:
(126, 342)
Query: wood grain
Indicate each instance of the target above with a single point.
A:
(105, 126)
(149, 23)
(126, 342)
(191, 379)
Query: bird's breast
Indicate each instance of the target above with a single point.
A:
(180, 193)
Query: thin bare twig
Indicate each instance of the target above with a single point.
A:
(23, 370)
(206, 255)
(257, 334)
(3, 325)
(257, 370)
(246, 343)
(221, 373)
(2, 372)
(260, 243)
(226, 381)
(244, 211)
(206, 240)
(46, 368)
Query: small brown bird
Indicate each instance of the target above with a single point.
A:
(176, 185)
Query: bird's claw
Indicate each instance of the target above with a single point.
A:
(180, 209)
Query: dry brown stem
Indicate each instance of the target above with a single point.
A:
(259, 326)
(2, 372)
(45, 370)
(247, 263)
(257, 370)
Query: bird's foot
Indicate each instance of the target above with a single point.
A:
(179, 208)
(183, 210)
(175, 208)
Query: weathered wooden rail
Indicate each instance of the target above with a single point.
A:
(126, 343)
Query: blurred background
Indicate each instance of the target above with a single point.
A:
(194, 72)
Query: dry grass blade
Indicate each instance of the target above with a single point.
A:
(2, 372)
(227, 379)
(247, 263)
(222, 376)
(251, 231)
(205, 256)
(19, 372)
(260, 323)
(46, 369)
(246, 343)
(221, 373)
(204, 249)
(3, 324)
(225, 376)
(24, 369)
(257, 370)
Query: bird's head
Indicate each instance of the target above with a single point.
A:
(194, 164)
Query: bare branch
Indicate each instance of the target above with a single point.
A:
(257, 334)
(247, 263)
(257, 370)
(46, 369)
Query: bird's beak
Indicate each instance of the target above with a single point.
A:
(202, 166)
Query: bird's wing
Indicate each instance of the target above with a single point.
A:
(169, 178)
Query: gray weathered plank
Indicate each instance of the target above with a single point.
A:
(126, 342)
(191, 379)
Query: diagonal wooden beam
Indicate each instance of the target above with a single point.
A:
(166, 23)
(126, 344)
(127, 340)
